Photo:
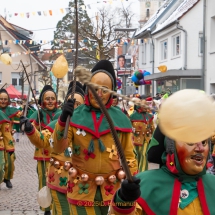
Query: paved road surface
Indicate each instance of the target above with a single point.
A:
(21, 199)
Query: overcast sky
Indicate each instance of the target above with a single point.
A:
(43, 22)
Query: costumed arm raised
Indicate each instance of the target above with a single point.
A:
(39, 139)
(124, 201)
(60, 144)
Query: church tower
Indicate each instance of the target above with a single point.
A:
(147, 9)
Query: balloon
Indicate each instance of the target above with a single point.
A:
(162, 68)
(139, 76)
(6, 59)
(134, 78)
(119, 83)
(137, 83)
(135, 73)
(148, 82)
(60, 67)
(146, 73)
(142, 82)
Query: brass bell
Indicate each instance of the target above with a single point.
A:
(57, 164)
(99, 180)
(73, 172)
(51, 161)
(120, 174)
(67, 165)
(84, 177)
(112, 178)
(1, 138)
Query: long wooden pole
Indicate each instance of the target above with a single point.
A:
(74, 66)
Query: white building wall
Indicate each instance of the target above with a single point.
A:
(171, 62)
(193, 29)
(210, 48)
(193, 23)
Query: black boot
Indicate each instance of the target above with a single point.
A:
(47, 213)
(8, 183)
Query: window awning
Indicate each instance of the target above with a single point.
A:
(173, 74)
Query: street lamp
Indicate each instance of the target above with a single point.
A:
(126, 30)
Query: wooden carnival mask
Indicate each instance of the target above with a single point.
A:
(4, 100)
(103, 80)
(78, 100)
(49, 100)
(192, 156)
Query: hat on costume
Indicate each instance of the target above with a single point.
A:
(4, 91)
(45, 89)
(188, 116)
(78, 89)
(106, 67)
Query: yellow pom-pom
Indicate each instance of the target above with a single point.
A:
(162, 68)
(60, 67)
(6, 59)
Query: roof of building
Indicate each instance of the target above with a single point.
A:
(154, 18)
(16, 26)
(180, 11)
(17, 36)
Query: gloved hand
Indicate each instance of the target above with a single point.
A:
(68, 109)
(41, 117)
(25, 121)
(130, 191)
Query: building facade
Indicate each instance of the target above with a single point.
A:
(172, 38)
(11, 35)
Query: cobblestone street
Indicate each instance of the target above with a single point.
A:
(21, 199)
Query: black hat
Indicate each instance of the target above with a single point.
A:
(45, 89)
(106, 67)
(4, 91)
(78, 89)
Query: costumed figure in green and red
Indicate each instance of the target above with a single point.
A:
(47, 112)
(57, 172)
(8, 141)
(96, 171)
(181, 186)
(142, 123)
(16, 119)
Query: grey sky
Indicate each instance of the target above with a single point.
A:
(44, 22)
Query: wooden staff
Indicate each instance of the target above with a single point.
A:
(75, 65)
(29, 89)
(3, 85)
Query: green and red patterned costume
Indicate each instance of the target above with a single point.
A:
(161, 191)
(142, 123)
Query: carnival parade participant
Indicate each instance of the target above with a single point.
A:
(48, 103)
(96, 173)
(142, 123)
(9, 148)
(16, 119)
(181, 186)
(7, 155)
(57, 172)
